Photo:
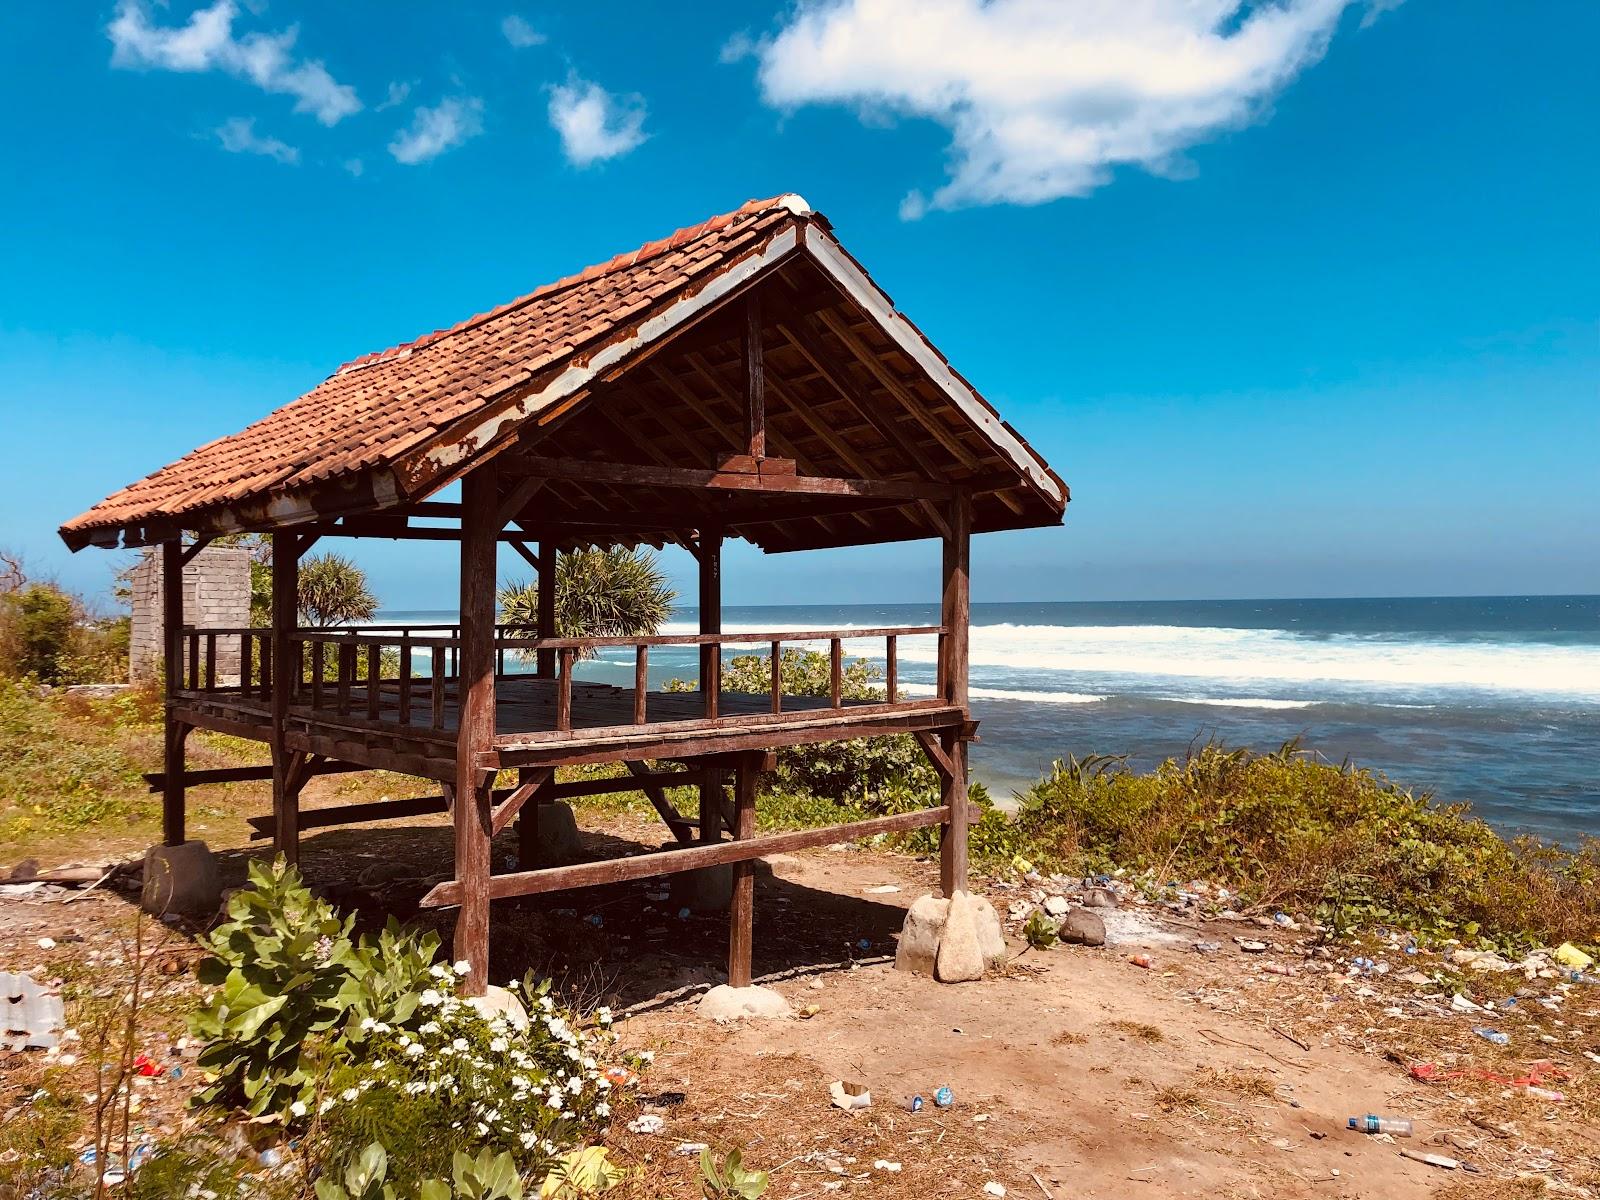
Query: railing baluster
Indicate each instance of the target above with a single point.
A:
(405, 679)
(194, 661)
(347, 670)
(266, 666)
(247, 646)
(211, 662)
(374, 676)
(777, 676)
(712, 683)
(891, 671)
(436, 679)
(836, 671)
(564, 692)
(641, 682)
(316, 673)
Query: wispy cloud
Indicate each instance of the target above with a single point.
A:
(594, 124)
(207, 43)
(355, 166)
(396, 97)
(520, 34)
(238, 136)
(435, 130)
(1045, 99)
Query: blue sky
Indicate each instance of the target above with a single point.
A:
(1300, 300)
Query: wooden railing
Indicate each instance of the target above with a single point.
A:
(370, 672)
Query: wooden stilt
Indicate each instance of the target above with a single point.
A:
(741, 914)
(475, 667)
(954, 615)
(172, 790)
(528, 823)
(547, 605)
(710, 616)
(286, 674)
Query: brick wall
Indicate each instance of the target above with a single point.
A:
(216, 595)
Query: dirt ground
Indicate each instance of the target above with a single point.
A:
(1075, 1072)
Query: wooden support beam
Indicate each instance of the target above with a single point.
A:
(755, 380)
(710, 616)
(941, 762)
(515, 500)
(286, 672)
(157, 779)
(654, 786)
(475, 690)
(199, 544)
(529, 782)
(955, 614)
(546, 665)
(691, 858)
(741, 913)
(172, 794)
(642, 475)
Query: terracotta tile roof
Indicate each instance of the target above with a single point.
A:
(376, 408)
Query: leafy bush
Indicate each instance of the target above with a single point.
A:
(1287, 831)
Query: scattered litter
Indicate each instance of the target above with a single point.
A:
(1569, 955)
(913, 1104)
(1433, 1160)
(944, 1097)
(1140, 960)
(47, 943)
(1461, 1004)
(689, 1148)
(1207, 947)
(1251, 946)
(849, 1096)
(1494, 1035)
(649, 1123)
(1394, 1126)
(806, 1011)
(994, 1189)
(886, 889)
(1494, 1127)
(271, 1157)
(1273, 968)
(32, 1017)
(883, 1164)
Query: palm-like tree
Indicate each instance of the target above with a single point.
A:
(599, 593)
(333, 591)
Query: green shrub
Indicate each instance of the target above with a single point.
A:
(1286, 831)
(41, 620)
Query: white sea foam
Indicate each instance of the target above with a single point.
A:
(1241, 701)
(988, 693)
(1258, 655)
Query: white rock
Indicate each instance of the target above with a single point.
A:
(960, 958)
(919, 936)
(1057, 906)
(727, 1003)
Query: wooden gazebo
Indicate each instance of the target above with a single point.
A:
(742, 378)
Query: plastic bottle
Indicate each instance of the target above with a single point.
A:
(1494, 1035)
(1393, 1126)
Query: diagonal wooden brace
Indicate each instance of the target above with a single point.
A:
(533, 780)
(936, 755)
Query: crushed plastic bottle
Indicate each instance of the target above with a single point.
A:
(1494, 1035)
(1393, 1126)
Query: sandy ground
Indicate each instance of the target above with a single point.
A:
(1075, 1072)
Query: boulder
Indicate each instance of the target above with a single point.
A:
(919, 936)
(960, 957)
(1080, 927)
(1099, 897)
(181, 879)
(991, 936)
(727, 1003)
(556, 840)
(710, 889)
(499, 1002)
(1056, 906)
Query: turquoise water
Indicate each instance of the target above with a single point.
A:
(1494, 701)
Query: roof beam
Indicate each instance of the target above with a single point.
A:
(640, 475)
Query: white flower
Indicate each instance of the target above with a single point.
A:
(603, 1015)
(349, 1094)
(463, 967)
(430, 998)
(554, 1101)
(588, 1063)
(324, 1106)
(367, 1024)
(414, 1049)
(602, 1109)
(297, 1109)
(574, 1085)
(647, 1056)
(499, 1045)
(546, 1003)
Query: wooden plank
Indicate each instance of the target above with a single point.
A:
(711, 617)
(741, 913)
(564, 690)
(528, 784)
(475, 697)
(436, 679)
(775, 666)
(640, 475)
(755, 380)
(641, 684)
(955, 617)
(731, 639)
(172, 794)
(691, 858)
(192, 549)
(515, 500)
(247, 646)
(157, 779)
(891, 670)
(374, 680)
(286, 670)
(941, 761)
(546, 664)
(654, 785)
(836, 672)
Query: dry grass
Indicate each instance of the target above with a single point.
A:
(1069, 1037)
(1138, 1030)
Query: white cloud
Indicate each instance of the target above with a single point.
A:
(1043, 98)
(238, 136)
(396, 97)
(355, 166)
(593, 124)
(207, 43)
(435, 130)
(520, 34)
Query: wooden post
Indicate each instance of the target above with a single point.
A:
(286, 668)
(710, 616)
(547, 605)
(475, 728)
(741, 914)
(755, 381)
(172, 789)
(955, 616)
(527, 825)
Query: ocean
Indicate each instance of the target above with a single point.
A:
(1493, 701)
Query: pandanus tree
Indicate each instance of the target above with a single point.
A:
(599, 593)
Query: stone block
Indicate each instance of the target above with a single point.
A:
(181, 879)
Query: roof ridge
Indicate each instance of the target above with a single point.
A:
(791, 201)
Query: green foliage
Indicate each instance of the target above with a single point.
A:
(1286, 831)
(285, 969)
(333, 591)
(1041, 931)
(365, 1177)
(582, 1173)
(731, 1179)
(41, 619)
(599, 593)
